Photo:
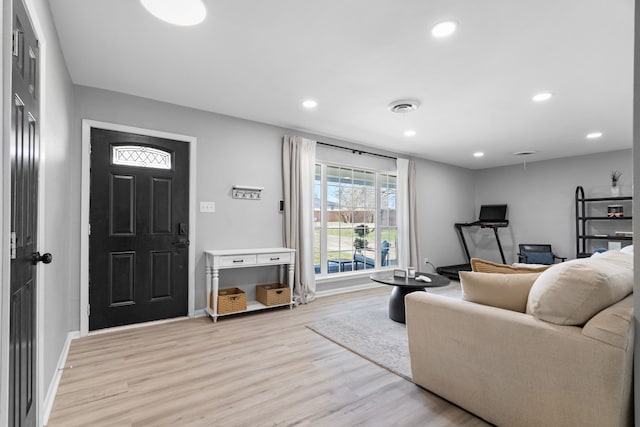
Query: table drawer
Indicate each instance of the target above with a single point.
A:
(275, 258)
(237, 260)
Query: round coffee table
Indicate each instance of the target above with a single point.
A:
(403, 287)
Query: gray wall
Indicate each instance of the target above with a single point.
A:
(541, 199)
(444, 195)
(230, 151)
(56, 150)
(235, 151)
(56, 227)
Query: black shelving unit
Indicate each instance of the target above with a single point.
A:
(583, 221)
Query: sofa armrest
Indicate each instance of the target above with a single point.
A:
(512, 369)
(611, 325)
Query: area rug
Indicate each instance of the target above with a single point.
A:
(370, 333)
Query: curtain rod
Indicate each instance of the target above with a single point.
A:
(356, 151)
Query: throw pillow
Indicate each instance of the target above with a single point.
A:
(572, 292)
(483, 266)
(508, 291)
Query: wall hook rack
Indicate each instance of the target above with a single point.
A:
(246, 192)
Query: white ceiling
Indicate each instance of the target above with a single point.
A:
(259, 59)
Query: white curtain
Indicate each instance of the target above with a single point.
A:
(298, 168)
(406, 214)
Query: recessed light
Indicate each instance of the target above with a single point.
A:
(542, 96)
(410, 132)
(443, 29)
(594, 135)
(478, 154)
(177, 12)
(309, 104)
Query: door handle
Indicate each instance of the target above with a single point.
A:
(181, 244)
(44, 258)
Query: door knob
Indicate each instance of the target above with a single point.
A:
(44, 258)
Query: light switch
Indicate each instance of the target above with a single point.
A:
(207, 207)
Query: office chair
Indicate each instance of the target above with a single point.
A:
(537, 254)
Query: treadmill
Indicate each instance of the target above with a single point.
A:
(491, 216)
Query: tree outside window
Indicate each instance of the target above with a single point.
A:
(346, 224)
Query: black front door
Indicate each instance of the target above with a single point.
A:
(24, 219)
(139, 210)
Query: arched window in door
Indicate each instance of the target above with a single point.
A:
(140, 156)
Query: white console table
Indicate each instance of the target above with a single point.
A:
(244, 258)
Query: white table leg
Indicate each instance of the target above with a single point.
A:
(208, 274)
(215, 282)
(290, 283)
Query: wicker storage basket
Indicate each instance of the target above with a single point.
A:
(275, 294)
(231, 300)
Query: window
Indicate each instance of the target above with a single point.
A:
(141, 156)
(354, 219)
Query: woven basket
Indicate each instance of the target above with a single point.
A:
(231, 300)
(274, 294)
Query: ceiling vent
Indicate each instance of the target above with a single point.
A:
(403, 106)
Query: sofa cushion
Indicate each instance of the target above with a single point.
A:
(484, 266)
(572, 292)
(508, 291)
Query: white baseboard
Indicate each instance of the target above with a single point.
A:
(200, 313)
(346, 289)
(55, 381)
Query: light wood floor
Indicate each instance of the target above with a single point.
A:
(260, 369)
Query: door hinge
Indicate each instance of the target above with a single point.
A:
(15, 39)
(88, 310)
(89, 229)
(13, 244)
